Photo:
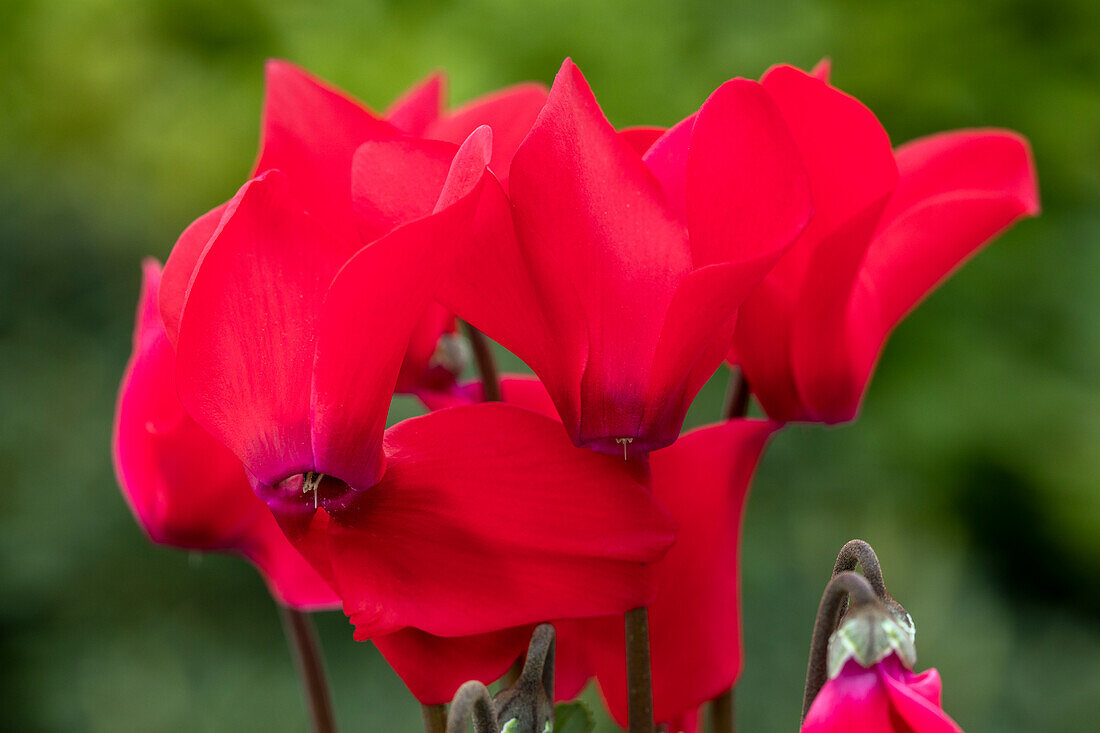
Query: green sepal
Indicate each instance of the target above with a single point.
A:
(869, 634)
(573, 717)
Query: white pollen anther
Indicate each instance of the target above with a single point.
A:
(311, 481)
(624, 442)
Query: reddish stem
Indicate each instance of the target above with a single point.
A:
(486, 364)
(435, 718)
(836, 593)
(737, 395)
(302, 638)
(639, 682)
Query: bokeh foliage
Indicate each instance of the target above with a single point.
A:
(973, 470)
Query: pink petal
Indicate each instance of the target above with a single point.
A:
(856, 700)
(310, 131)
(762, 348)
(920, 715)
(800, 306)
(747, 192)
(369, 315)
(494, 285)
(572, 666)
(825, 351)
(246, 341)
(949, 163)
(186, 489)
(957, 192)
(695, 618)
(641, 137)
(843, 146)
(667, 159)
(592, 222)
(148, 323)
(927, 684)
(419, 370)
(434, 667)
(510, 112)
(883, 699)
(688, 722)
(291, 580)
(522, 390)
(417, 109)
(486, 503)
(697, 331)
(180, 266)
(823, 69)
(396, 181)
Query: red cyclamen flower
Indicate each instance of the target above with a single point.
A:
(619, 298)
(456, 523)
(888, 226)
(884, 698)
(702, 480)
(311, 132)
(185, 488)
(695, 619)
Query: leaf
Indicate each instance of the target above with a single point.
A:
(573, 717)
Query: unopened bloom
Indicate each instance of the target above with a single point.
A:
(185, 488)
(455, 523)
(888, 227)
(620, 299)
(885, 697)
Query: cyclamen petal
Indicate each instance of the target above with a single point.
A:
(509, 112)
(186, 489)
(311, 133)
(702, 480)
(888, 227)
(886, 698)
(641, 138)
(695, 618)
(602, 289)
(247, 335)
(289, 349)
(420, 107)
(481, 502)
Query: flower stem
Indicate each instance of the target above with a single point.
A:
(736, 406)
(737, 395)
(471, 703)
(639, 684)
(486, 364)
(828, 615)
(435, 718)
(302, 639)
(722, 717)
(858, 552)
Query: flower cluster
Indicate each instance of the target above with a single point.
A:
(775, 229)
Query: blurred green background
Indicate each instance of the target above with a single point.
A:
(973, 470)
